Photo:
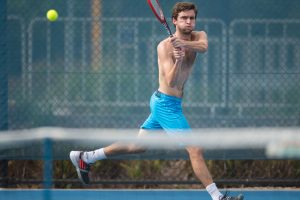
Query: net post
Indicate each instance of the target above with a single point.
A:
(48, 158)
(3, 88)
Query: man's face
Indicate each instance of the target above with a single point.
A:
(185, 21)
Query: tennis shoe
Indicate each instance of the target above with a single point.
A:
(226, 197)
(82, 167)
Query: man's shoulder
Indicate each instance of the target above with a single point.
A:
(164, 43)
(198, 34)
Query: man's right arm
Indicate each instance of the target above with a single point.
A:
(171, 68)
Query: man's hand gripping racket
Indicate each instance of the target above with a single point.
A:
(157, 10)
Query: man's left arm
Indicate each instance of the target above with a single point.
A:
(198, 43)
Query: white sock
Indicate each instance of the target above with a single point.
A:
(93, 156)
(214, 191)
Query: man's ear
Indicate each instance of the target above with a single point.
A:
(174, 21)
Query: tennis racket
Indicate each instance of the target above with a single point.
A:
(156, 9)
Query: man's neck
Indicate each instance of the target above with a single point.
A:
(183, 36)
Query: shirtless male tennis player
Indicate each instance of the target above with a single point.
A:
(176, 56)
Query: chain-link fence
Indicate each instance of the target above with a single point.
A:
(96, 66)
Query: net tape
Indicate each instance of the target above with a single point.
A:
(273, 142)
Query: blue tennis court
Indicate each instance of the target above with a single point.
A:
(142, 194)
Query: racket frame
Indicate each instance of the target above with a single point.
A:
(160, 16)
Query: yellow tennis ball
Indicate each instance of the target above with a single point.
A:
(52, 15)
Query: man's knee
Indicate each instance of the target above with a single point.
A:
(134, 148)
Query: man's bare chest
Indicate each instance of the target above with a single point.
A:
(189, 58)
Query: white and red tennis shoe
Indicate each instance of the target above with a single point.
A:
(82, 167)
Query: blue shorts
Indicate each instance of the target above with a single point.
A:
(166, 113)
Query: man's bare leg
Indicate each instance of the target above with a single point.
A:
(199, 165)
(120, 148)
(202, 173)
(82, 160)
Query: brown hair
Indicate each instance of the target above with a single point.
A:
(183, 6)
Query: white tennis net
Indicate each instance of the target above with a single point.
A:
(225, 143)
